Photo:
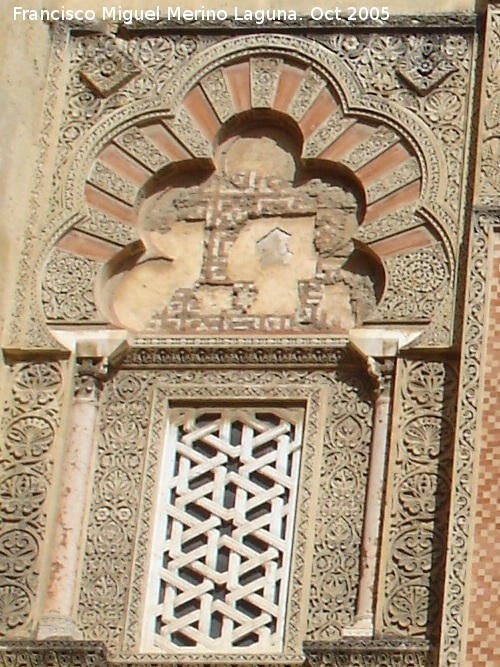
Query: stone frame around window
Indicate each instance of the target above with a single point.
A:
(330, 379)
(314, 399)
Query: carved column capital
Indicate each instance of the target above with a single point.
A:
(381, 371)
(90, 374)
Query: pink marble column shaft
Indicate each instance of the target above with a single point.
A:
(58, 613)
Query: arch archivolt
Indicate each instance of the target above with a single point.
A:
(347, 179)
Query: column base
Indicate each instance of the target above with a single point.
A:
(362, 627)
(56, 626)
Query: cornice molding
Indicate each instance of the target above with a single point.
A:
(303, 23)
(242, 352)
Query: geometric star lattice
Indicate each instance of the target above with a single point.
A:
(224, 527)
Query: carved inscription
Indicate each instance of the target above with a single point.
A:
(267, 249)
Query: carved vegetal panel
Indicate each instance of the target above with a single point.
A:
(481, 646)
(124, 507)
(489, 189)
(419, 485)
(428, 74)
(116, 498)
(68, 288)
(340, 510)
(465, 640)
(33, 394)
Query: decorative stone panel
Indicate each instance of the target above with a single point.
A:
(32, 411)
(386, 112)
(53, 653)
(417, 502)
(481, 648)
(452, 644)
(187, 89)
(224, 524)
(133, 417)
(458, 644)
(384, 652)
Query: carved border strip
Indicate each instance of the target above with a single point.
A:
(388, 652)
(30, 423)
(459, 535)
(238, 352)
(56, 75)
(54, 653)
(383, 653)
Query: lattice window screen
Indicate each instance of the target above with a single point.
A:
(223, 537)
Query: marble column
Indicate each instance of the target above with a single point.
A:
(382, 371)
(57, 617)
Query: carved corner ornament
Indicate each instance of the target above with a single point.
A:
(425, 66)
(108, 71)
(90, 375)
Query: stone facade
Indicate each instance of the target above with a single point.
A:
(249, 321)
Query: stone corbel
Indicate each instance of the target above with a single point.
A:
(57, 618)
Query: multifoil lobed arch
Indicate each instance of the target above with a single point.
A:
(372, 143)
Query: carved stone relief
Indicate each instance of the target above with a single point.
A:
(223, 532)
(202, 74)
(452, 626)
(217, 236)
(54, 653)
(261, 245)
(386, 652)
(124, 494)
(489, 191)
(68, 288)
(426, 73)
(342, 495)
(416, 279)
(417, 503)
(484, 220)
(33, 393)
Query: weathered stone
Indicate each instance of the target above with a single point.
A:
(269, 216)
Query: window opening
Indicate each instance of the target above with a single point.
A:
(224, 525)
